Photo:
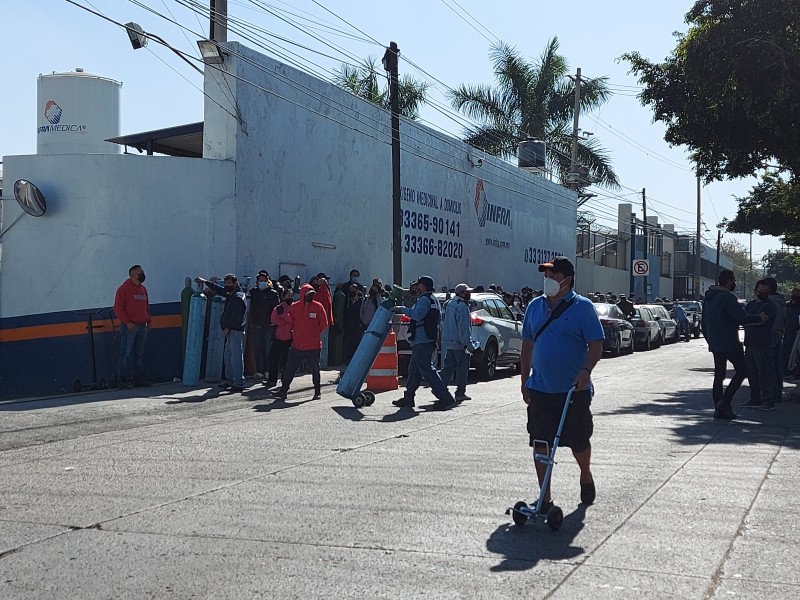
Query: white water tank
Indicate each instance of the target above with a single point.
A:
(76, 113)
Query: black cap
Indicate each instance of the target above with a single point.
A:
(426, 281)
(263, 273)
(321, 276)
(283, 278)
(560, 264)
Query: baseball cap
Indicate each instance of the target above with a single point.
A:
(560, 264)
(426, 281)
(463, 287)
(321, 276)
(263, 273)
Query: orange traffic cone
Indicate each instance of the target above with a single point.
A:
(383, 373)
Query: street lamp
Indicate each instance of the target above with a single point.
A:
(138, 38)
(211, 52)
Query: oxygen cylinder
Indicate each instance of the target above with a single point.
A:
(216, 341)
(194, 339)
(357, 370)
(186, 296)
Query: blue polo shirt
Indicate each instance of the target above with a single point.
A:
(560, 351)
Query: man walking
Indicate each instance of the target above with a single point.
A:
(423, 332)
(132, 307)
(309, 320)
(758, 353)
(722, 316)
(232, 321)
(457, 341)
(562, 351)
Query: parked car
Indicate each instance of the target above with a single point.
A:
(694, 312)
(498, 333)
(668, 325)
(646, 328)
(618, 330)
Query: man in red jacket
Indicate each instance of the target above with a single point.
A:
(132, 308)
(309, 320)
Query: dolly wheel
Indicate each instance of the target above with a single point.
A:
(520, 518)
(370, 398)
(555, 517)
(359, 401)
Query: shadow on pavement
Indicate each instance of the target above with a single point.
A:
(351, 413)
(85, 397)
(692, 419)
(522, 547)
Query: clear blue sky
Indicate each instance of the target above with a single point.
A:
(449, 39)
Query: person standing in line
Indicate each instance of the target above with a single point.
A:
(777, 336)
(232, 321)
(353, 329)
(423, 332)
(457, 341)
(790, 329)
(626, 306)
(309, 320)
(722, 317)
(282, 319)
(132, 307)
(758, 351)
(263, 299)
(370, 304)
(562, 340)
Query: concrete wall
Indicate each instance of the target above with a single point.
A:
(314, 187)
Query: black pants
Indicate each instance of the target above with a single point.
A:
(277, 357)
(293, 363)
(721, 360)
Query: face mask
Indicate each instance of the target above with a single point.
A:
(141, 277)
(354, 279)
(262, 285)
(763, 296)
(551, 287)
(228, 289)
(733, 287)
(288, 300)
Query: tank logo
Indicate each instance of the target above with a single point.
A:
(52, 112)
(487, 211)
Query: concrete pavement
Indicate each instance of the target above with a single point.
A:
(180, 493)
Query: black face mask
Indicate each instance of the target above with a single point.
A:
(228, 289)
(763, 296)
(140, 277)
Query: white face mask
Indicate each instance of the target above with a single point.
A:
(262, 285)
(551, 287)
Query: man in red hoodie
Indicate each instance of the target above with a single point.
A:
(309, 320)
(132, 308)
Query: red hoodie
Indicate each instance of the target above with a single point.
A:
(324, 297)
(131, 304)
(309, 320)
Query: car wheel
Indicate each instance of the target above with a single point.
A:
(648, 343)
(617, 349)
(677, 337)
(488, 365)
(696, 332)
(632, 348)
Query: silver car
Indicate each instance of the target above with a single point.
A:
(669, 326)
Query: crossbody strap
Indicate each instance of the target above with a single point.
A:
(553, 316)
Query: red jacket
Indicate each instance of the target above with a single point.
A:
(282, 318)
(309, 320)
(324, 297)
(131, 304)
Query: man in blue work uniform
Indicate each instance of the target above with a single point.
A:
(423, 331)
(562, 340)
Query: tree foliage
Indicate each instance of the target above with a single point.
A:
(534, 100)
(363, 81)
(730, 92)
(783, 266)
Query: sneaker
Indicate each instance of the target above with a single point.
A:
(461, 397)
(768, 406)
(257, 376)
(751, 404)
(446, 404)
(317, 396)
(236, 388)
(588, 493)
(279, 395)
(403, 403)
(224, 385)
(546, 506)
(725, 413)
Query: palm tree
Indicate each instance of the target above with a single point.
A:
(362, 80)
(534, 100)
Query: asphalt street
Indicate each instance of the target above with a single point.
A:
(172, 492)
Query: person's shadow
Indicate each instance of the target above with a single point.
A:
(523, 546)
(351, 413)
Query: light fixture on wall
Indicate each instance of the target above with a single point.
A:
(211, 52)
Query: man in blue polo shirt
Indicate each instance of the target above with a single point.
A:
(561, 351)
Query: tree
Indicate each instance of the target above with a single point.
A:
(534, 100)
(783, 266)
(730, 92)
(742, 267)
(362, 80)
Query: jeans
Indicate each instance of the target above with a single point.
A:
(234, 357)
(293, 361)
(721, 360)
(456, 362)
(684, 329)
(760, 374)
(421, 365)
(131, 349)
(262, 343)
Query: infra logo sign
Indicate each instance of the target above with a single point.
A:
(486, 211)
(52, 112)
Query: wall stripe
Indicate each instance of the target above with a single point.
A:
(37, 332)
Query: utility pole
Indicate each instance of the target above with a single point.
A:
(219, 21)
(719, 243)
(573, 165)
(390, 64)
(697, 249)
(646, 236)
(632, 257)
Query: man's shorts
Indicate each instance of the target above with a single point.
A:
(544, 415)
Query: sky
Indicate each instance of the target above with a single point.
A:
(444, 42)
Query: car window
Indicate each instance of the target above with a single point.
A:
(643, 314)
(505, 313)
(491, 307)
(615, 313)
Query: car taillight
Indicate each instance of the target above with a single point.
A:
(474, 319)
(405, 319)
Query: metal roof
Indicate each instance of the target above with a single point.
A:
(183, 140)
